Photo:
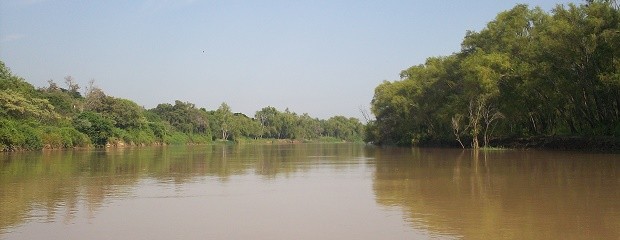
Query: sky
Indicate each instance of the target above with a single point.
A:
(321, 57)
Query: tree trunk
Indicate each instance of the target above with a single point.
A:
(474, 142)
(475, 109)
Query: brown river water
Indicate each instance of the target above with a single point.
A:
(308, 191)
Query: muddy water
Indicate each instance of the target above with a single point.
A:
(308, 191)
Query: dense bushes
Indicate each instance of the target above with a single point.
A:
(97, 127)
(63, 137)
(16, 135)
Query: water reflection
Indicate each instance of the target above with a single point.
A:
(503, 194)
(336, 191)
(53, 185)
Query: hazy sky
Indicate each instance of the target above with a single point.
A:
(319, 57)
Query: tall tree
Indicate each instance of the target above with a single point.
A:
(224, 118)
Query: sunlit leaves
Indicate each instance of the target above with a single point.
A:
(17, 105)
(529, 72)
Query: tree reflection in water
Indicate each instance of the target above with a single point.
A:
(442, 192)
(503, 194)
(44, 186)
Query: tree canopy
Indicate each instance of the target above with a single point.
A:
(527, 73)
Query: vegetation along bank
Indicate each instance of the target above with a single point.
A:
(62, 117)
(527, 75)
(530, 78)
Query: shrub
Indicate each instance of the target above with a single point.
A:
(74, 138)
(199, 138)
(16, 136)
(176, 138)
(142, 136)
(97, 127)
(10, 137)
(52, 137)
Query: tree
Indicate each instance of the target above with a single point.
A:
(8, 81)
(458, 128)
(16, 105)
(95, 98)
(245, 127)
(490, 115)
(18, 99)
(308, 127)
(348, 129)
(125, 113)
(224, 117)
(288, 125)
(72, 87)
(184, 117)
(483, 73)
(269, 119)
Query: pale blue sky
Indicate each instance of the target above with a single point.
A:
(319, 57)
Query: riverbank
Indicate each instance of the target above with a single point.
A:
(570, 143)
(121, 144)
(288, 141)
(598, 144)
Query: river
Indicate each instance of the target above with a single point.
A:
(308, 191)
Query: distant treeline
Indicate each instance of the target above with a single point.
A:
(61, 117)
(527, 73)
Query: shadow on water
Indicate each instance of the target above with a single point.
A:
(502, 194)
(44, 186)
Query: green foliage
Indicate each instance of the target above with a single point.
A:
(18, 136)
(198, 138)
(63, 103)
(97, 127)
(308, 127)
(124, 113)
(63, 137)
(289, 125)
(133, 136)
(224, 122)
(159, 129)
(244, 127)
(55, 117)
(329, 139)
(269, 119)
(66, 102)
(371, 132)
(527, 73)
(15, 104)
(8, 81)
(183, 116)
(349, 129)
(176, 138)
